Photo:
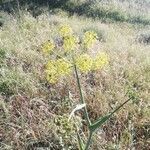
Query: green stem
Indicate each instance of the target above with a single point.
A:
(81, 96)
(88, 141)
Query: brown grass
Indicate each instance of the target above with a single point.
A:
(30, 108)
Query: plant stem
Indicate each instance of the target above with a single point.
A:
(88, 141)
(81, 96)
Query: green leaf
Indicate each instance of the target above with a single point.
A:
(103, 119)
(81, 145)
(99, 122)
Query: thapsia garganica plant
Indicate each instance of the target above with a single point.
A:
(72, 56)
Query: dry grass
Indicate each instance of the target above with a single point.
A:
(30, 108)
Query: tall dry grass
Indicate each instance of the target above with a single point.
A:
(32, 111)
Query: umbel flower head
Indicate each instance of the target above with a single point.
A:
(100, 61)
(47, 47)
(57, 69)
(65, 30)
(64, 67)
(89, 38)
(51, 72)
(70, 42)
(84, 63)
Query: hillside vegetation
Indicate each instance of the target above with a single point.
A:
(34, 113)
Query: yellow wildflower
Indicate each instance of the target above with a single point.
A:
(70, 43)
(89, 38)
(51, 76)
(84, 63)
(65, 30)
(47, 47)
(51, 65)
(63, 67)
(51, 72)
(56, 69)
(100, 61)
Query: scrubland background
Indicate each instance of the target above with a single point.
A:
(33, 113)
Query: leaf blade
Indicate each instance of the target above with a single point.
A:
(103, 119)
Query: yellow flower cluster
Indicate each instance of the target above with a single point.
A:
(56, 69)
(51, 72)
(89, 38)
(65, 30)
(70, 42)
(47, 47)
(63, 67)
(84, 63)
(100, 61)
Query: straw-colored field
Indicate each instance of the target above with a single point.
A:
(34, 113)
